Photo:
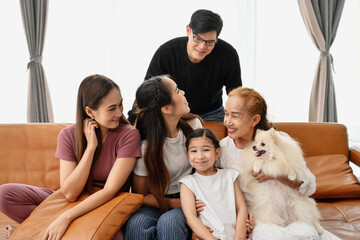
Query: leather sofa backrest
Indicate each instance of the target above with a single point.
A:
(27, 154)
(27, 150)
(318, 138)
(218, 128)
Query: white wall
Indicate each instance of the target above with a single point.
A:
(13, 61)
(118, 38)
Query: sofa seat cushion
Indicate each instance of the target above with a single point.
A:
(341, 217)
(334, 177)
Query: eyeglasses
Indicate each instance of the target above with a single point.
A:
(198, 39)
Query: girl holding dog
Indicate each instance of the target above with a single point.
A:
(100, 150)
(245, 112)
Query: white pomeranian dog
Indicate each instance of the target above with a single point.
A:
(277, 155)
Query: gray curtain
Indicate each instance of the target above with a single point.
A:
(34, 16)
(321, 18)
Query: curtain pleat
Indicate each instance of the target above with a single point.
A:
(34, 16)
(321, 18)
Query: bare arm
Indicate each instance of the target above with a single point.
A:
(140, 185)
(189, 209)
(293, 184)
(73, 177)
(241, 212)
(116, 179)
(261, 177)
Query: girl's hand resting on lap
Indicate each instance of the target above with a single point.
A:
(195, 237)
(200, 207)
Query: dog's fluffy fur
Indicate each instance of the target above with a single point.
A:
(276, 154)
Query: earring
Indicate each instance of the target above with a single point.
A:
(92, 118)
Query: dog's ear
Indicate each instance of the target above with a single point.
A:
(272, 134)
(257, 131)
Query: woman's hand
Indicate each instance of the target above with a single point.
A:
(57, 228)
(261, 177)
(89, 132)
(249, 223)
(199, 205)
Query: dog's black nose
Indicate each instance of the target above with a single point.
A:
(254, 148)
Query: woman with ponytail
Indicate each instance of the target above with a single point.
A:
(164, 123)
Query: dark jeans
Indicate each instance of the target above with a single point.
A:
(150, 223)
(216, 115)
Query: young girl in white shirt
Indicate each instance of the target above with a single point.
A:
(225, 212)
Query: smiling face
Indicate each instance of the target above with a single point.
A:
(238, 121)
(202, 155)
(198, 51)
(110, 109)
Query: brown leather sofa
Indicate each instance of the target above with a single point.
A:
(327, 154)
(27, 156)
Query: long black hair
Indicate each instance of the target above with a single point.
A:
(151, 96)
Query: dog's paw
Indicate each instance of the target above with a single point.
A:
(256, 169)
(292, 176)
(319, 228)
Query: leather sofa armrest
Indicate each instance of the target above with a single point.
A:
(355, 155)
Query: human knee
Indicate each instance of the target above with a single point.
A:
(172, 218)
(143, 218)
(172, 226)
(142, 224)
(5, 189)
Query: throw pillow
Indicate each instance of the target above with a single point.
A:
(99, 224)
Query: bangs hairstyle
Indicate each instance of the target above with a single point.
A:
(202, 132)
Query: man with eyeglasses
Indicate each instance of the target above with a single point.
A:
(201, 64)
